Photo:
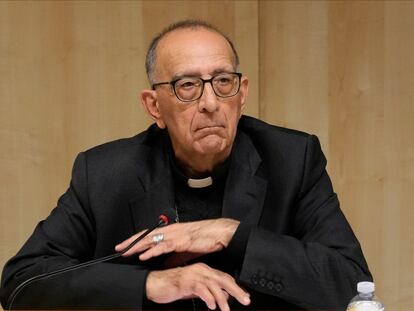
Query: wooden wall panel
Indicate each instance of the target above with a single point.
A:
(356, 86)
(294, 65)
(396, 261)
(344, 71)
(70, 74)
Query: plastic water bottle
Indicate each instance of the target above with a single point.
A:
(365, 300)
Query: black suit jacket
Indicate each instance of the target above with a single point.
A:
(300, 252)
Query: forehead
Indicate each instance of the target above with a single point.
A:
(193, 52)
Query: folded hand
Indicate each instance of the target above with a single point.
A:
(199, 237)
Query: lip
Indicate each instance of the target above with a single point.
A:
(210, 128)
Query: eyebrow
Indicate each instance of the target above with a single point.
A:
(197, 74)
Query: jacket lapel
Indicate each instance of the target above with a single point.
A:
(148, 206)
(245, 191)
(156, 194)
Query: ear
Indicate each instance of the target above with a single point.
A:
(149, 100)
(244, 90)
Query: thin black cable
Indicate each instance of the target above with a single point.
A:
(163, 221)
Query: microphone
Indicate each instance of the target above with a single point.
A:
(162, 221)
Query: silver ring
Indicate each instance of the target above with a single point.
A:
(158, 238)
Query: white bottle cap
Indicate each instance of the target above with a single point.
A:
(366, 287)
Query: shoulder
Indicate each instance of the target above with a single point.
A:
(266, 136)
(288, 156)
(287, 149)
(141, 140)
(126, 150)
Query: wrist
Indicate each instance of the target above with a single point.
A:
(160, 285)
(229, 230)
(153, 285)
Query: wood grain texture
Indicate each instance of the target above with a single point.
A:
(356, 129)
(294, 65)
(344, 71)
(396, 261)
(71, 73)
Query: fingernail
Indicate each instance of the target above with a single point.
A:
(246, 300)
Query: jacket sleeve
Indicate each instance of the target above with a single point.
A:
(67, 237)
(319, 264)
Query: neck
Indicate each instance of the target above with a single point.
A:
(202, 166)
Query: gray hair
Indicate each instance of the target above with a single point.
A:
(185, 24)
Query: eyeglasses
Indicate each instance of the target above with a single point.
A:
(189, 89)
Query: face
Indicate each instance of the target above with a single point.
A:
(206, 126)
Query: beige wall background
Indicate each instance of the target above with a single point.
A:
(71, 72)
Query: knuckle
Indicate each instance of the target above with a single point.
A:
(168, 245)
(210, 283)
(197, 287)
(227, 277)
(201, 265)
(226, 295)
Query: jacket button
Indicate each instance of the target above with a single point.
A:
(270, 285)
(278, 287)
(254, 279)
(262, 282)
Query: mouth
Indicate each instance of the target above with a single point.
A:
(209, 127)
(209, 130)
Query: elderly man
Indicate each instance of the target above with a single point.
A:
(257, 223)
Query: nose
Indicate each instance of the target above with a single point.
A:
(208, 100)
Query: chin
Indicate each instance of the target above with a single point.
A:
(211, 145)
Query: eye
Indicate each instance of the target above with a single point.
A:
(187, 84)
(223, 80)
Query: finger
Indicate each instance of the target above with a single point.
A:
(125, 243)
(137, 248)
(205, 295)
(231, 287)
(220, 296)
(163, 247)
(145, 243)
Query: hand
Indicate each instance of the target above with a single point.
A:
(199, 237)
(194, 281)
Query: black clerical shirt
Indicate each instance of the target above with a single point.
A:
(194, 204)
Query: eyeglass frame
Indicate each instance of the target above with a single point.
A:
(204, 81)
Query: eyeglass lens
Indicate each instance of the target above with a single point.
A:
(224, 85)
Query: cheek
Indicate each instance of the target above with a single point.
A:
(233, 114)
(178, 122)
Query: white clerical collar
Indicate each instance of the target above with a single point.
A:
(200, 183)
